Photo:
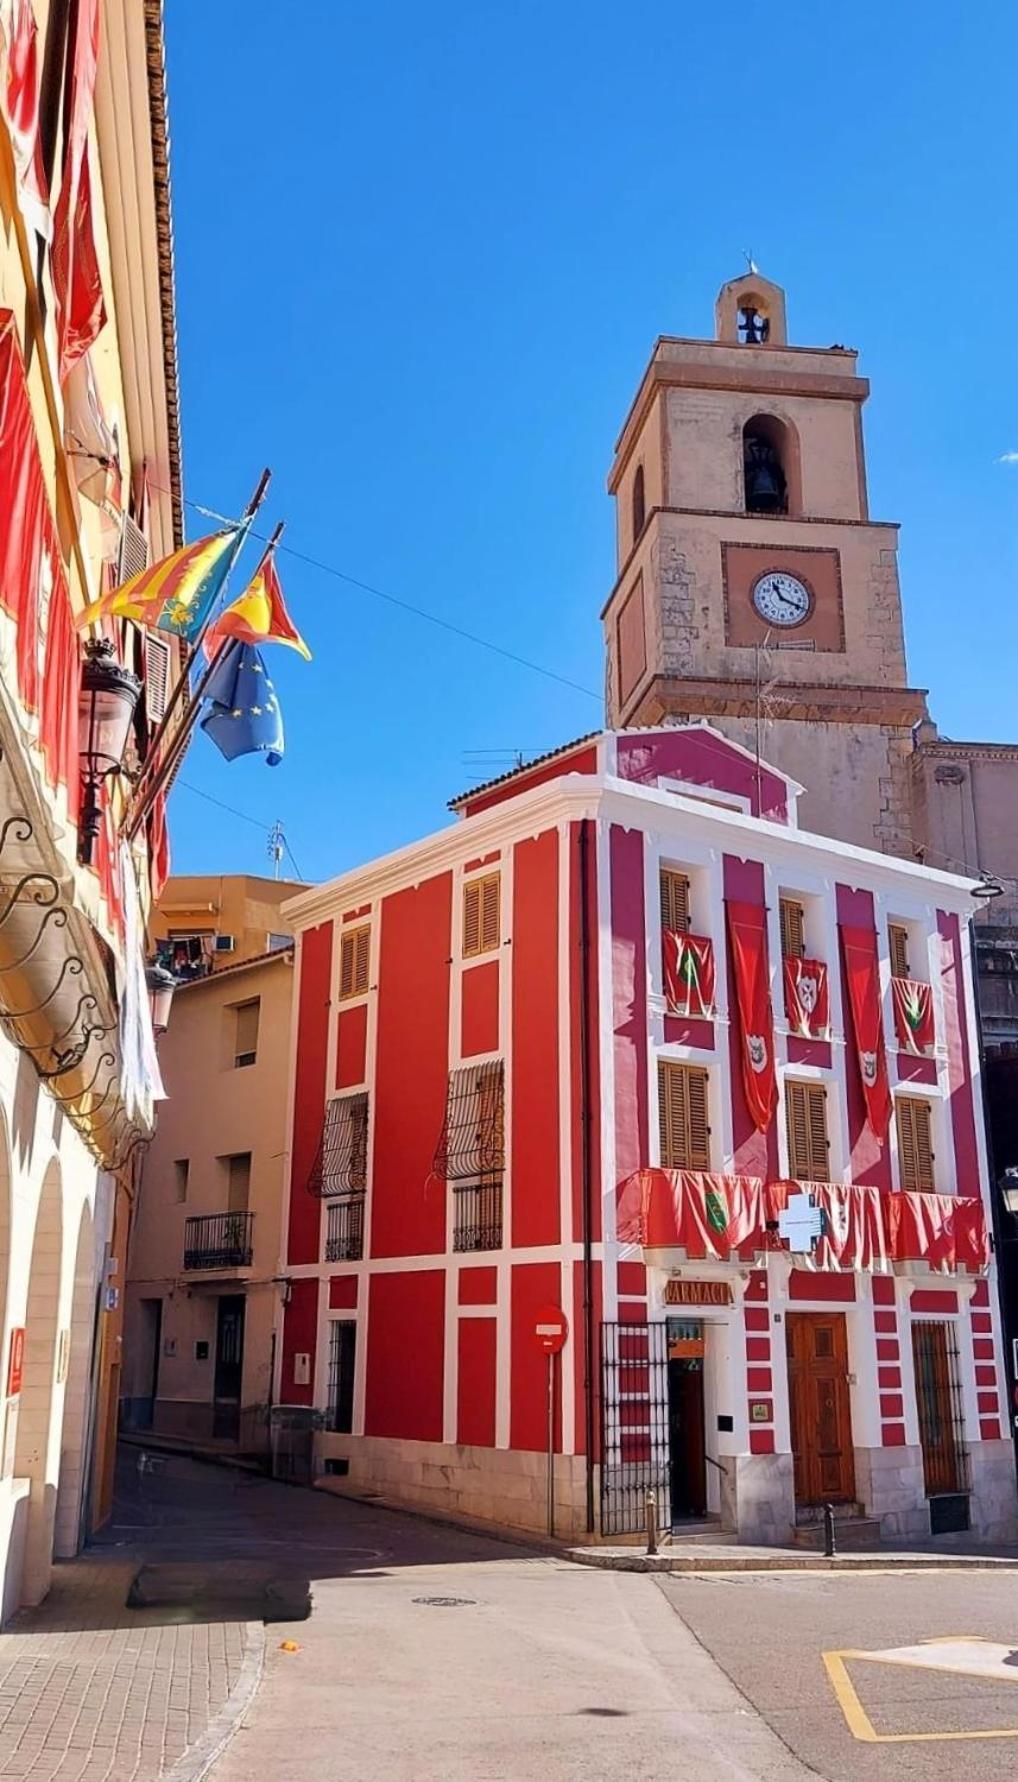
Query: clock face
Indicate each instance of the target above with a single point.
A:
(781, 599)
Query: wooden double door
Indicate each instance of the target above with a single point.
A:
(821, 1415)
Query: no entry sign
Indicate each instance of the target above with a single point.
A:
(551, 1327)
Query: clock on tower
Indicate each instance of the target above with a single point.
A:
(751, 580)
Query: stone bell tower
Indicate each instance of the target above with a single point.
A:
(752, 588)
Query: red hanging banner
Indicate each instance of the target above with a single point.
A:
(807, 998)
(689, 973)
(81, 308)
(862, 973)
(709, 1216)
(747, 939)
(913, 1014)
(19, 102)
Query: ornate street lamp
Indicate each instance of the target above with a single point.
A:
(161, 985)
(109, 694)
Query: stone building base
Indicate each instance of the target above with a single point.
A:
(889, 1485)
(994, 1505)
(504, 1486)
(758, 1498)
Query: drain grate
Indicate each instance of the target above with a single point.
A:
(446, 1602)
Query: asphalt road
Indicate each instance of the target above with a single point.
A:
(769, 1633)
(436, 1655)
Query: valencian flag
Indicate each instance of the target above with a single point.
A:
(862, 975)
(176, 594)
(913, 1014)
(807, 998)
(258, 616)
(689, 973)
(245, 718)
(747, 939)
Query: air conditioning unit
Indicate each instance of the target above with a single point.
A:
(226, 943)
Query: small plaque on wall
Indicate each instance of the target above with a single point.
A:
(725, 1425)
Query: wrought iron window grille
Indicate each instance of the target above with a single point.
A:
(477, 1215)
(635, 1455)
(341, 1160)
(344, 1235)
(218, 1240)
(471, 1147)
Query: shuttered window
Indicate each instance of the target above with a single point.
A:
(682, 1113)
(245, 1038)
(238, 1181)
(897, 938)
(158, 668)
(354, 953)
(806, 1121)
(793, 928)
(674, 900)
(914, 1119)
(482, 921)
(133, 555)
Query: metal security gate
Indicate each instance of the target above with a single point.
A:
(634, 1424)
(939, 1402)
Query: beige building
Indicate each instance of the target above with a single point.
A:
(754, 588)
(90, 482)
(204, 1283)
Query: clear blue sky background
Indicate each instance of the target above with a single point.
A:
(422, 256)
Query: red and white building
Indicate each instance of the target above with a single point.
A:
(626, 1042)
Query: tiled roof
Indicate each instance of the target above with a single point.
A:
(516, 773)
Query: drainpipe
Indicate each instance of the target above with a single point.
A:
(586, 1179)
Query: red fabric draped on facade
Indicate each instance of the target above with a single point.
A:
(862, 974)
(33, 588)
(716, 1217)
(747, 939)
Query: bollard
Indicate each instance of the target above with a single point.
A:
(829, 1547)
(651, 1523)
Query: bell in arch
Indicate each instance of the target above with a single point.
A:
(766, 490)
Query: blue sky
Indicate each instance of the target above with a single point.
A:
(422, 256)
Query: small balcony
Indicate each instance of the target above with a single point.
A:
(344, 1234)
(218, 1240)
(477, 1215)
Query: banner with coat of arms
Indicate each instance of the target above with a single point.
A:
(807, 998)
(862, 976)
(688, 973)
(747, 939)
(913, 1014)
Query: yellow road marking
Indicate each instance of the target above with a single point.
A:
(858, 1721)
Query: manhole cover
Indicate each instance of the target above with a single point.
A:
(445, 1602)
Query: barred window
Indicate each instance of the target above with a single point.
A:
(342, 1362)
(354, 955)
(341, 1162)
(472, 1143)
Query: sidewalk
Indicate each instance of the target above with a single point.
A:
(705, 1556)
(91, 1691)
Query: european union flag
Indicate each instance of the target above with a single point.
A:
(245, 718)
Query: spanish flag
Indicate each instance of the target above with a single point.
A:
(258, 616)
(176, 594)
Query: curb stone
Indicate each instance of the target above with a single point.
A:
(198, 1759)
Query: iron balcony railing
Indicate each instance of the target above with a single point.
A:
(344, 1234)
(477, 1220)
(218, 1240)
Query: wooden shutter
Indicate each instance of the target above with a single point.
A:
(239, 1182)
(914, 1119)
(793, 928)
(354, 953)
(806, 1122)
(158, 668)
(897, 938)
(682, 1113)
(674, 900)
(482, 917)
(133, 554)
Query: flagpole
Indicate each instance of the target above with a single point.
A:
(183, 734)
(171, 704)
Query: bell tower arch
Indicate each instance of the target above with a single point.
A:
(752, 587)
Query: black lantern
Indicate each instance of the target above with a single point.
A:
(109, 694)
(161, 985)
